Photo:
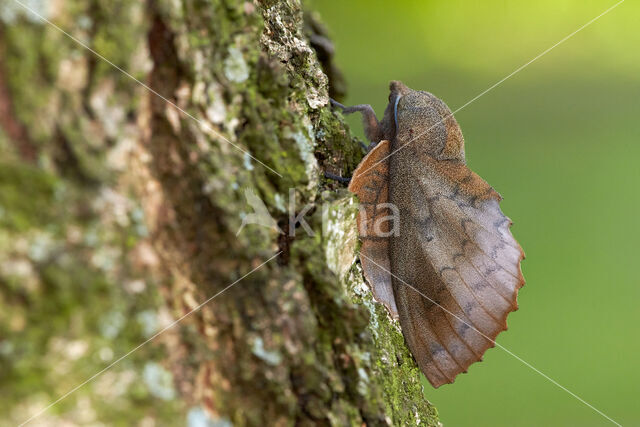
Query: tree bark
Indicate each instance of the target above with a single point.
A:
(297, 341)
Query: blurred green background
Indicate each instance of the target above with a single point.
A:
(560, 141)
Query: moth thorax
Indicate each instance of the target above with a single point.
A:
(422, 128)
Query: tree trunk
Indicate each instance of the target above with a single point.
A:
(236, 99)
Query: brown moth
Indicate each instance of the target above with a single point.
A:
(451, 271)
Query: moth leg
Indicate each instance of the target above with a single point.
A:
(329, 175)
(372, 128)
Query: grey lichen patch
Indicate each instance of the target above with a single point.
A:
(360, 288)
(216, 110)
(235, 66)
(198, 417)
(305, 142)
(10, 10)
(316, 99)
(279, 202)
(282, 37)
(271, 357)
(284, 40)
(247, 161)
(159, 381)
(340, 231)
(363, 381)
(103, 103)
(72, 73)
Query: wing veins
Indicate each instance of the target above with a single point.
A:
(471, 240)
(446, 315)
(435, 331)
(486, 279)
(476, 297)
(471, 322)
(493, 233)
(433, 359)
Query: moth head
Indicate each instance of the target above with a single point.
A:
(421, 119)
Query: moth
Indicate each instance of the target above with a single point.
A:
(450, 272)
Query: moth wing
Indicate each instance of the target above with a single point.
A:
(459, 265)
(370, 182)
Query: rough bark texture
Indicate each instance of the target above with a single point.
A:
(299, 340)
